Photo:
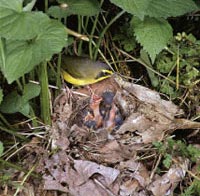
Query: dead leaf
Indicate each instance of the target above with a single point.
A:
(166, 184)
(76, 176)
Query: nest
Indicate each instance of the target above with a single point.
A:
(103, 141)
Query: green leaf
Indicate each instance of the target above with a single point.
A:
(1, 148)
(25, 110)
(165, 64)
(77, 7)
(135, 7)
(170, 8)
(155, 8)
(153, 34)
(14, 102)
(30, 91)
(22, 56)
(31, 38)
(17, 60)
(11, 5)
(167, 160)
(29, 6)
(193, 152)
(58, 12)
(169, 90)
(190, 75)
(1, 96)
(17, 24)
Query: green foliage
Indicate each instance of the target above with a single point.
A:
(77, 7)
(30, 38)
(149, 23)
(135, 7)
(193, 189)
(15, 102)
(180, 148)
(167, 161)
(189, 191)
(152, 33)
(160, 147)
(169, 8)
(126, 38)
(5, 179)
(172, 148)
(194, 153)
(182, 54)
(155, 8)
(1, 148)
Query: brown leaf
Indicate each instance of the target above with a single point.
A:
(77, 176)
(166, 184)
(151, 97)
(140, 172)
(87, 168)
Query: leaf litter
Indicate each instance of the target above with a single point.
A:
(102, 143)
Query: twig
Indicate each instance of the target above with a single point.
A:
(105, 188)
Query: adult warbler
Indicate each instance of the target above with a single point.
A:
(83, 71)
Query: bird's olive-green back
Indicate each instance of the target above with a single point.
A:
(81, 67)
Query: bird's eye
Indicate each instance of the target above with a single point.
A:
(104, 73)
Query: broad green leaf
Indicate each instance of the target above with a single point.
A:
(11, 5)
(22, 56)
(18, 60)
(155, 8)
(25, 110)
(17, 24)
(1, 148)
(51, 39)
(153, 34)
(30, 91)
(170, 8)
(58, 12)
(1, 96)
(135, 7)
(14, 102)
(81, 7)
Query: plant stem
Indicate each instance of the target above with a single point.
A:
(44, 95)
(23, 181)
(58, 74)
(177, 69)
(12, 132)
(17, 167)
(45, 6)
(92, 32)
(104, 31)
(4, 121)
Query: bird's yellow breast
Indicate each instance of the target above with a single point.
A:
(83, 81)
(83, 71)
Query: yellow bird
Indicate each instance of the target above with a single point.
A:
(83, 71)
